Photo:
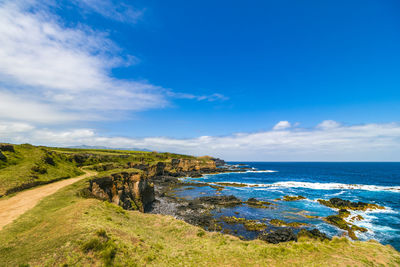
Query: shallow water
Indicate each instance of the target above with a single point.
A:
(367, 182)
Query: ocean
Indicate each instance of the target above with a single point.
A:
(370, 182)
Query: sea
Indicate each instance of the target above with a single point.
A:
(372, 182)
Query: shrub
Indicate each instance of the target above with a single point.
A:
(201, 233)
(39, 168)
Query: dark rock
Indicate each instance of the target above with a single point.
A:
(81, 158)
(139, 166)
(228, 201)
(254, 203)
(3, 157)
(293, 198)
(219, 162)
(7, 147)
(314, 234)
(278, 236)
(339, 203)
(39, 168)
(49, 160)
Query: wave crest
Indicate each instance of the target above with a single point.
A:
(330, 186)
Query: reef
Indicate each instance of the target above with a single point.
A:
(338, 203)
(277, 222)
(293, 198)
(338, 221)
(252, 202)
(250, 225)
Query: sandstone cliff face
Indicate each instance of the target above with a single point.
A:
(184, 165)
(135, 190)
(132, 191)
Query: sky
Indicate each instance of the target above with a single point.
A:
(249, 80)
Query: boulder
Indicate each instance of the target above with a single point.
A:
(278, 236)
(2, 157)
(228, 201)
(7, 147)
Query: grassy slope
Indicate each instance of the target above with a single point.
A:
(17, 170)
(65, 228)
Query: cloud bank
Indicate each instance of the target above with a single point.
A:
(368, 142)
(51, 73)
(48, 68)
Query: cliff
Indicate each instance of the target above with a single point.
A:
(130, 190)
(134, 190)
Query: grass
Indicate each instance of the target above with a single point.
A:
(30, 165)
(67, 229)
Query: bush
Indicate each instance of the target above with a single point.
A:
(93, 244)
(49, 160)
(38, 168)
(85, 193)
(201, 233)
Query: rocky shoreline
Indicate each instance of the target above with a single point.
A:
(199, 212)
(151, 189)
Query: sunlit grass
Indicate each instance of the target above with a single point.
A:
(67, 229)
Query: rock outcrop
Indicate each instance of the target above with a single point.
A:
(313, 234)
(2, 157)
(135, 190)
(280, 235)
(7, 147)
(132, 191)
(178, 167)
(218, 162)
(339, 203)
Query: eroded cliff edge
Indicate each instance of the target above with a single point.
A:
(133, 187)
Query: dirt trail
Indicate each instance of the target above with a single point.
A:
(11, 208)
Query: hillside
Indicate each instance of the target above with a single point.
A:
(73, 227)
(25, 166)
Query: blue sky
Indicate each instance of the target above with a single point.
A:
(204, 77)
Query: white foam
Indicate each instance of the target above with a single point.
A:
(330, 186)
(338, 194)
(261, 171)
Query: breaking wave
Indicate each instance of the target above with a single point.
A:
(325, 186)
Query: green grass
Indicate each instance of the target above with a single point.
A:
(67, 229)
(31, 165)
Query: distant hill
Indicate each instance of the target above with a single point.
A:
(111, 148)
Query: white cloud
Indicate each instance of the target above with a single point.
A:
(282, 125)
(9, 128)
(210, 98)
(50, 71)
(116, 10)
(373, 142)
(328, 124)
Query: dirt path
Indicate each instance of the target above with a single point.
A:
(12, 208)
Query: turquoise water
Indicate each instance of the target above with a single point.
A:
(367, 182)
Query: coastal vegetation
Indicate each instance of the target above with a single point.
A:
(102, 220)
(66, 229)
